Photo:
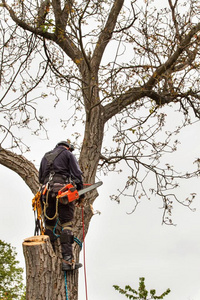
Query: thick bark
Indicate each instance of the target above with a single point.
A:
(106, 34)
(45, 279)
(41, 262)
(22, 166)
(43, 267)
(43, 274)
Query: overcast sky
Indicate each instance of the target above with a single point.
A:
(120, 248)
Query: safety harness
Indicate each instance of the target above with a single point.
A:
(65, 193)
(40, 200)
(50, 157)
(49, 187)
(38, 212)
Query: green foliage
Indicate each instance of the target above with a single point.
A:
(11, 280)
(142, 293)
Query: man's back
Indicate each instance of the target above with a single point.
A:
(63, 164)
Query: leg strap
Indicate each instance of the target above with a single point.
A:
(66, 237)
(67, 225)
(50, 227)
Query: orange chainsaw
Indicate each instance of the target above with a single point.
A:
(69, 192)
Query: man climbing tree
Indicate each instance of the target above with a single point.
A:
(58, 168)
(121, 62)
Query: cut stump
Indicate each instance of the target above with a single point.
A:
(44, 276)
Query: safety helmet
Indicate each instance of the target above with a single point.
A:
(65, 143)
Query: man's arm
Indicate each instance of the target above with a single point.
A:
(76, 171)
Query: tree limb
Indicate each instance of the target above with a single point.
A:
(42, 12)
(106, 34)
(170, 62)
(22, 166)
(136, 93)
(58, 37)
(25, 26)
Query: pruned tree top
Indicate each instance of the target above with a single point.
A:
(119, 62)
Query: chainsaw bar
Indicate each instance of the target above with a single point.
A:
(69, 193)
(90, 188)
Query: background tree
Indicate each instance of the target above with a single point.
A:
(123, 65)
(141, 293)
(11, 275)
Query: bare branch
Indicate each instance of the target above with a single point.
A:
(106, 33)
(24, 168)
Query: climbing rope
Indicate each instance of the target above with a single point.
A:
(54, 229)
(66, 291)
(84, 263)
(46, 205)
(65, 272)
(80, 245)
(37, 208)
(78, 242)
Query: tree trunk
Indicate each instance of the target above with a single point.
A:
(45, 279)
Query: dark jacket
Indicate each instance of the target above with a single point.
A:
(65, 165)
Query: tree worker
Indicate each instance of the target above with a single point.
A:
(57, 168)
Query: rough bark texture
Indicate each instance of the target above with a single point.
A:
(22, 166)
(45, 279)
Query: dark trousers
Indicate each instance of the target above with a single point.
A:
(65, 214)
(65, 211)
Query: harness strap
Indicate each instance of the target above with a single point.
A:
(66, 237)
(51, 156)
(67, 225)
(46, 205)
(37, 207)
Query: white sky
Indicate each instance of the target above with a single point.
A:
(120, 248)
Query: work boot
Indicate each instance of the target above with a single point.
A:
(68, 264)
(67, 239)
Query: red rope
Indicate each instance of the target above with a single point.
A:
(84, 254)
